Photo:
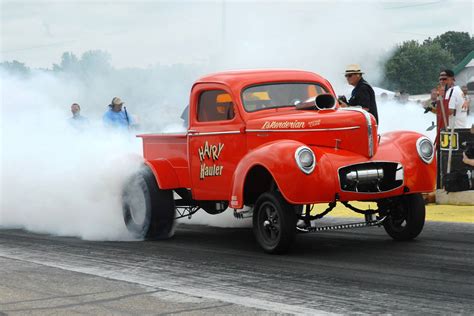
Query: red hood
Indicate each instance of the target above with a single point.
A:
(349, 129)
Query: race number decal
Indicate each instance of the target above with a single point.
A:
(444, 141)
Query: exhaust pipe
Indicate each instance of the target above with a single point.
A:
(365, 176)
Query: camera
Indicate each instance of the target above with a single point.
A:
(430, 107)
(342, 98)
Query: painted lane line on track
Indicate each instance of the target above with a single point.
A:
(106, 271)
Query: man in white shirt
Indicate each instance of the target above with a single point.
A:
(455, 99)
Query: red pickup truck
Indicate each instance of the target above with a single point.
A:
(270, 144)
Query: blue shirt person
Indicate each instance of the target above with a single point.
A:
(116, 117)
(77, 120)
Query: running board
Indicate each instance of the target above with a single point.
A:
(342, 226)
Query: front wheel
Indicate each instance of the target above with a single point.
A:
(148, 211)
(406, 217)
(274, 222)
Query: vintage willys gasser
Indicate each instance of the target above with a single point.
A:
(270, 144)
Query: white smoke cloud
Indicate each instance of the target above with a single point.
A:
(55, 178)
(394, 116)
(60, 180)
(66, 181)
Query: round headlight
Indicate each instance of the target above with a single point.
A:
(425, 149)
(305, 159)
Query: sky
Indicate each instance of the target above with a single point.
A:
(225, 34)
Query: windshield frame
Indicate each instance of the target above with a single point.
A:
(321, 85)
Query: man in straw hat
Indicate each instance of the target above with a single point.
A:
(362, 95)
(117, 116)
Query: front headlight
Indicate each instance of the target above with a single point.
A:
(305, 159)
(425, 149)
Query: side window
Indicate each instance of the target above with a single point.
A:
(215, 105)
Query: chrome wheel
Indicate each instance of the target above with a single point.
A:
(270, 222)
(274, 222)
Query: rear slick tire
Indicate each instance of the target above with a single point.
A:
(406, 217)
(148, 211)
(274, 223)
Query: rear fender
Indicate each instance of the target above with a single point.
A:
(164, 173)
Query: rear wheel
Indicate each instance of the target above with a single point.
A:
(148, 211)
(406, 217)
(274, 222)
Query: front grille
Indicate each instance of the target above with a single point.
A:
(372, 177)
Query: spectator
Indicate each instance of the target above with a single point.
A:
(77, 120)
(396, 96)
(468, 153)
(384, 97)
(467, 160)
(454, 98)
(467, 98)
(404, 97)
(117, 116)
(430, 104)
(362, 95)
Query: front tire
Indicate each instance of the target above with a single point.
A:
(148, 211)
(274, 222)
(406, 217)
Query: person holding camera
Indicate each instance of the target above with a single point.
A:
(468, 153)
(462, 179)
(362, 95)
(430, 104)
(467, 160)
(454, 97)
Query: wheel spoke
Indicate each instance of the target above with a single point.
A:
(269, 212)
(276, 226)
(272, 234)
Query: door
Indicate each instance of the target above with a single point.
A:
(216, 141)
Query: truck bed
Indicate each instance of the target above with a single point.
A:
(172, 148)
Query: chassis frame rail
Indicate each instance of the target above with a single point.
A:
(186, 211)
(369, 223)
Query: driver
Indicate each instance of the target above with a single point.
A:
(256, 100)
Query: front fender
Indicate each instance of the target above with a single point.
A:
(419, 176)
(278, 158)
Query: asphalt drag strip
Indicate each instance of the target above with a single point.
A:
(209, 270)
(29, 288)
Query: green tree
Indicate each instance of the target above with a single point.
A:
(94, 61)
(15, 68)
(91, 62)
(459, 44)
(69, 63)
(415, 67)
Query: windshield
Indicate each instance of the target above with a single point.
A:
(279, 95)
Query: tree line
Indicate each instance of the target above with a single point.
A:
(414, 67)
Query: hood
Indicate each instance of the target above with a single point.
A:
(351, 129)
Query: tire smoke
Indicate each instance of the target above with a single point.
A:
(55, 178)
